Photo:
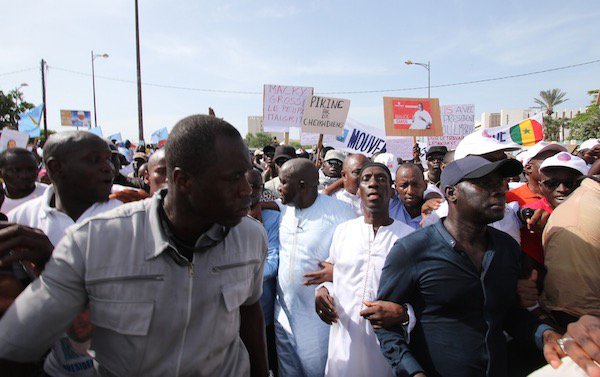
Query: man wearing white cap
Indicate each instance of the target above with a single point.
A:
(482, 144)
(532, 159)
(331, 170)
(589, 150)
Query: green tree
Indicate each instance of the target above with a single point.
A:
(586, 125)
(553, 128)
(9, 111)
(549, 99)
(258, 140)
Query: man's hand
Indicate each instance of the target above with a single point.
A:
(538, 221)
(384, 314)
(416, 152)
(22, 243)
(584, 348)
(430, 206)
(325, 306)
(321, 276)
(81, 329)
(552, 351)
(527, 291)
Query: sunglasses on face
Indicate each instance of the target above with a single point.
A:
(552, 184)
(334, 162)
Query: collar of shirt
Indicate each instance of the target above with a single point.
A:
(399, 212)
(447, 237)
(165, 240)
(48, 210)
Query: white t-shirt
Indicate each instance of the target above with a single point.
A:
(10, 204)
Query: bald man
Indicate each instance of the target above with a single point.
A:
(308, 220)
(156, 174)
(350, 178)
(80, 168)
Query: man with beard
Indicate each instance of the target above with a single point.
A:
(308, 220)
(410, 187)
(460, 276)
(350, 180)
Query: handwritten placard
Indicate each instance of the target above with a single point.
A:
(283, 106)
(325, 115)
(457, 122)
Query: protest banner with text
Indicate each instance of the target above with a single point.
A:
(324, 115)
(412, 116)
(523, 134)
(457, 122)
(356, 138)
(283, 106)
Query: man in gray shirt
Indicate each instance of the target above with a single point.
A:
(173, 282)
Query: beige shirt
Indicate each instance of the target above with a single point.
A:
(154, 316)
(571, 242)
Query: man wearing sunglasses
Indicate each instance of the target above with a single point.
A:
(331, 170)
(558, 175)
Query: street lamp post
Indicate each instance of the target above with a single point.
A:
(427, 66)
(94, 56)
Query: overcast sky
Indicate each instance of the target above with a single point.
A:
(333, 46)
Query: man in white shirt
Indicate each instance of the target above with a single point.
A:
(421, 119)
(350, 174)
(358, 252)
(70, 157)
(308, 220)
(19, 169)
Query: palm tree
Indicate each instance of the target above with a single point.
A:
(551, 98)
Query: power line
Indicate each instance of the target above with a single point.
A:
(19, 71)
(207, 90)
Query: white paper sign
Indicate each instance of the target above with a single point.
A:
(12, 138)
(283, 106)
(325, 115)
(400, 146)
(457, 122)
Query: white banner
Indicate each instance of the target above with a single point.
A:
(324, 115)
(457, 122)
(357, 138)
(283, 106)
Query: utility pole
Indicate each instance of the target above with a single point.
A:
(139, 74)
(44, 99)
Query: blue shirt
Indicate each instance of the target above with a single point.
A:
(399, 212)
(461, 313)
(270, 220)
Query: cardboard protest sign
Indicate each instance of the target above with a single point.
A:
(457, 122)
(523, 134)
(283, 106)
(412, 116)
(356, 138)
(12, 139)
(324, 115)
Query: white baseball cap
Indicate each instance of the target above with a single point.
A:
(565, 160)
(480, 142)
(388, 160)
(540, 147)
(590, 143)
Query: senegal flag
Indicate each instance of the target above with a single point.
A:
(529, 131)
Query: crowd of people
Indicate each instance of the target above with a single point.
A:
(478, 261)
